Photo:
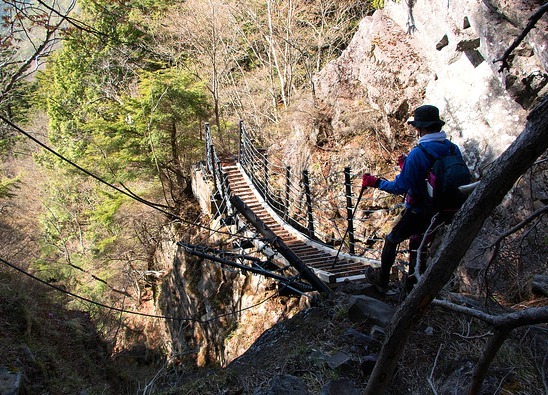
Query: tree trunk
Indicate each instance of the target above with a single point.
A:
(482, 367)
(521, 154)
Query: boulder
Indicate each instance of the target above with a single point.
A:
(363, 308)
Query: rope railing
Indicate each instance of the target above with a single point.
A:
(221, 198)
(308, 203)
(305, 203)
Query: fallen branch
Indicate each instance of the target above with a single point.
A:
(530, 316)
(539, 284)
(517, 227)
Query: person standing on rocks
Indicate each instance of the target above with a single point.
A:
(418, 213)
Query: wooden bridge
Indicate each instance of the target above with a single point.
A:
(244, 187)
(317, 256)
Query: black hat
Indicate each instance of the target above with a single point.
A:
(426, 116)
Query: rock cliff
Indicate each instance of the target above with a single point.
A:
(441, 53)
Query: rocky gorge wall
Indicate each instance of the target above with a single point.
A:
(221, 311)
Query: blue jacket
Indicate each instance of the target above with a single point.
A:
(411, 180)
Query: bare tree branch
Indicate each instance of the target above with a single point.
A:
(40, 50)
(530, 316)
(532, 22)
(517, 227)
(77, 24)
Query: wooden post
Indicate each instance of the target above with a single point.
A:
(265, 176)
(241, 142)
(287, 185)
(306, 182)
(208, 145)
(349, 210)
(210, 151)
(260, 172)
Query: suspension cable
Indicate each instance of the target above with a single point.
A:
(121, 310)
(156, 206)
(297, 205)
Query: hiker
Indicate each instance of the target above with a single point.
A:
(418, 211)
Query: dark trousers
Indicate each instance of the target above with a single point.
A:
(412, 225)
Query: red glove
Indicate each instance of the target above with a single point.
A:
(370, 181)
(401, 160)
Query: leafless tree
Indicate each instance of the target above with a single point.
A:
(30, 32)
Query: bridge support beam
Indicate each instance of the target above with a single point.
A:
(306, 182)
(349, 210)
(280, 246)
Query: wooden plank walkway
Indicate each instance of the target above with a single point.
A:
(318, 257)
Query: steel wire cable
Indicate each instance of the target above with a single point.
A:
(121, 310)
(264, 174)
(153, 205)
(293, 188)
(318, 208)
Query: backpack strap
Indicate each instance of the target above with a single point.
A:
(430, 157)
(433, 158)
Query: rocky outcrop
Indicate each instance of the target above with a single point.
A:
(441, 53)
(218, 312)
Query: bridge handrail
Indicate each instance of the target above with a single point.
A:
(221, 199)
(295, 200)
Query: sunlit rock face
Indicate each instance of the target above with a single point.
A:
(441, 53)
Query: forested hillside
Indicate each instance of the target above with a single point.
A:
(102, 113)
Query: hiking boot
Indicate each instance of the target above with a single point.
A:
(374, 277)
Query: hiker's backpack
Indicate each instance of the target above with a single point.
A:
(447, 173)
